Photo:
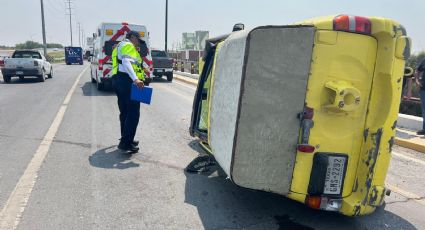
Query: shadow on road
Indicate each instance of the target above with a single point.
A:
(89, 89)
(26, 80)
(223, 205)
(112, 158)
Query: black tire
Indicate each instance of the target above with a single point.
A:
(100, 86)
(50, 75)
(7, 79)
(170, 77)
(41, 78)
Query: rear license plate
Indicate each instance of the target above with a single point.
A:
(334, 175)
(19, 72)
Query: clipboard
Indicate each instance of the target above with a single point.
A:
(143, 95)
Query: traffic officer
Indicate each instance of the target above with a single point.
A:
(127, 70)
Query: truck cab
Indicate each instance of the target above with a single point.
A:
(307, 110)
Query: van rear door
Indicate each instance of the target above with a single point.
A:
(337, 100)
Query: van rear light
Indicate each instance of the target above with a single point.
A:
(35, 63)
(313, 201)
(323, 203)
(305, 148)
(100, 65)
(354, 24)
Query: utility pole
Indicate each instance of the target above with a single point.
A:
(79, 34)
(166, 24)
(43, 28)
(82, 38)
(70, 18)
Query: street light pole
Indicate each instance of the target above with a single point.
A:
(43, 28)
(166, 24)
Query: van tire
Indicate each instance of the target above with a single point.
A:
(100, 86)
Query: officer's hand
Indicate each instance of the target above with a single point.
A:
(139, 83)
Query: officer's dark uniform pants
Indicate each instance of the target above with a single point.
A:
(129, 110)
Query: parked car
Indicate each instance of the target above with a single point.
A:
(162, 64)
(26, 63)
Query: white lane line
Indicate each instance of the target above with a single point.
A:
(15, 205)
(406, 194)
(174, 91)
(403, 156)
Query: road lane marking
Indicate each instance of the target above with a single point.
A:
(408, 195)
(185, 85)
(400, 155)
(190, 99)
(12, 212)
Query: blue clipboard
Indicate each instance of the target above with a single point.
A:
(143, 95)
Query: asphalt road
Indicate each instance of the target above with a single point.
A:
(84, 182)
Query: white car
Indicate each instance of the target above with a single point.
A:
(26, 63)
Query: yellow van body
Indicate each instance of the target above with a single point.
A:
(354, 89)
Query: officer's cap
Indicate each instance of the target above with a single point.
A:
(133, 33)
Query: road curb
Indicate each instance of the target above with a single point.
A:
(410, 144)
(188, 81)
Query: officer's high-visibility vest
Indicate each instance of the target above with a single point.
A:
(126, 49)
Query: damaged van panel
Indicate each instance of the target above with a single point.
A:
(256, 122)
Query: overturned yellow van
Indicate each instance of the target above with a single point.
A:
(307, 110)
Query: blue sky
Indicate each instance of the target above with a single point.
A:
(21, 18)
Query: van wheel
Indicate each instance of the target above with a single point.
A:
(7, 79)
(50, 75)
(170, 77)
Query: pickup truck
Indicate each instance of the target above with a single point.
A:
(26, 63)
(162, 64)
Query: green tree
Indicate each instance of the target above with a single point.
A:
(29, 45)
(415, 59)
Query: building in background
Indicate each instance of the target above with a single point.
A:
(194, 41)
(188, 41)
(201, 37)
